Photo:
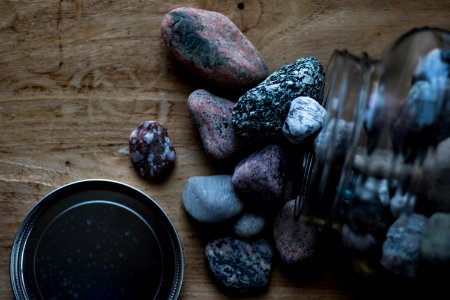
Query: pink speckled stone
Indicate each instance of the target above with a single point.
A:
(209, 44)
(295, 241)
(212, 117)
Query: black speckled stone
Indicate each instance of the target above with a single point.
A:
(261, 112)
(240, 266)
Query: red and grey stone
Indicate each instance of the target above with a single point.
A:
(212, 117)
(400, 254)
(295, 241)
(240, 266)
(151, 150)
(211, 199)
(260, 178)
(305, 118)
(435, 242)
(209, 44)
(260, 113)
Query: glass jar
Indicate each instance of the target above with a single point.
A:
(382, 157)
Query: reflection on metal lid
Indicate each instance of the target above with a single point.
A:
(96, 239)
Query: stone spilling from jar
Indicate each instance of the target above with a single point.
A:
(260, 137)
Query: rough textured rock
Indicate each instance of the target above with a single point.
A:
(249, 225)
(435, 242)
(209, 44)
(211, 199)
(424, 120)
(259, 179)
(401, 247)
(306, 116)
(239, 266)
(435, 64)
(295, 241)
(151, 150)
(261, 112)
(212, 117)
(339, 145)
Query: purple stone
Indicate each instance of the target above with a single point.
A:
(151, 150)
(294, 240)
(260, 178)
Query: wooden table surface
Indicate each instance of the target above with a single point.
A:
(77, 76)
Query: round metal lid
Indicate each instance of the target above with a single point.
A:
(96, 239)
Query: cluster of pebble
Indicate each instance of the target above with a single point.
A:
(253, 137)
(258, 137)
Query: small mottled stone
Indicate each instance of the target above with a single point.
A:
(424, 120)
(435, 64)
(261, 112)
(260, 178)
(212, 117)
(356, 241)
(295, 241)
(402, 202)
(211, 199)
(249, 225)
(151, 150)
(240, 266)
(210, 45)
(435, 242)
(400, 253)
(306, 116)
(339, 145)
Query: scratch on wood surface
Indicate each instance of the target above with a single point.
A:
(58, 28)
(29, 166)
(163, 108)
(26, 181)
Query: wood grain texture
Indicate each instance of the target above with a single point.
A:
(77, 76)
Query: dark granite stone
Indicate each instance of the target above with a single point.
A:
(260, 178)
(261, 112)
(240, 266)
(210, 45)
(151, 150)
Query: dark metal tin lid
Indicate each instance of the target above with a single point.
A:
(96, 239)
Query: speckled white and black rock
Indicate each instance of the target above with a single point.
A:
(211, 199)
(249, 225)
(151, 150)
(260, 113)
(239, 266)
(401, 247)
(306, 116)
